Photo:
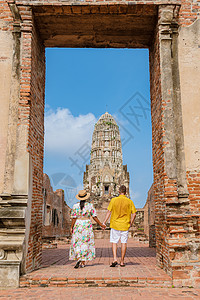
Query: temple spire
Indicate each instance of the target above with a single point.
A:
(106, 172)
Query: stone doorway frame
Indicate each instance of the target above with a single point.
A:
(154, 26)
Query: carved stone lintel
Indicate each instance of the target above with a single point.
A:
(166, 14)
(168, 20)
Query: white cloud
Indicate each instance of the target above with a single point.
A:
(65, 133)
(135, 195)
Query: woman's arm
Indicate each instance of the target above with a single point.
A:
(99, 222)
(72, 225)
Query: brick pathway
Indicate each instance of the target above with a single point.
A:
(126, 293)
(140, 270)
(141, 279)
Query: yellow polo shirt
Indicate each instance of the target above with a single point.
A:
(121, 209)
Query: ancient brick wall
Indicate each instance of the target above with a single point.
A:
(6, 52)
(149, 217)
(157, 144)
(56, 213)
(6, 16)
(139, 219)
(174, 229)
(31, 115)
(146, 219)
(189, 12)
(189, 64)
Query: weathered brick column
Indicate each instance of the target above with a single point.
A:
(177, 236)
(14, 191)
(21, 187)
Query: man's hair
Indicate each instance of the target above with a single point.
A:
(122, 189)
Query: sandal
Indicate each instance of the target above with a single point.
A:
(77, 265)
(113, 264)
(122, 265)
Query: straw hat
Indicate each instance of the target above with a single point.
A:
(83, 195)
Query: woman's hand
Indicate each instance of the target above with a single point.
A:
(72, 225)
(103, 226)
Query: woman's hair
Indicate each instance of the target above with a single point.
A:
(82, 204)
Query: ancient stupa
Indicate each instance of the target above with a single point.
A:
(106, 171)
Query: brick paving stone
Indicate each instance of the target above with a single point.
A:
(83, 293)
(57, 270)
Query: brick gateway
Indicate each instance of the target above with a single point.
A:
(170, 29)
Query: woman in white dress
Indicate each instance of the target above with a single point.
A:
(82, 243)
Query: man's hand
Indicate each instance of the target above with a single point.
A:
(132, 219)
(71, 230)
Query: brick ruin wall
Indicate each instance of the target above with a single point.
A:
(164, 188)
(31, 117)
(149, 218)
(157, 136)
(56, 214)
(31, 114)
(189, 12)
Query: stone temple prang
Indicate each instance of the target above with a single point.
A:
(106, 171)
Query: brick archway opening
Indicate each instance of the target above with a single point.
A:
(37, 25)
(115, 26)
(83, 26)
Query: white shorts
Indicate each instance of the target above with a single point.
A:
(116, 235)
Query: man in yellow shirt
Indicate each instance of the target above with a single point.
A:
(123, 213)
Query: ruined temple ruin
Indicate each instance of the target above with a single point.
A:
(106, 171)
(56, 213)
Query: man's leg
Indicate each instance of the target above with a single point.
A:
(123, 252)
(114, 239)
(124, 239)
(114, 250)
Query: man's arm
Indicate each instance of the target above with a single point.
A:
(132, 219)
(107, 216)
(103, 226)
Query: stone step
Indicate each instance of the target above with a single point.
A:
(62, 281)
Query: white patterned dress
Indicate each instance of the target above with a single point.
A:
(82, 242)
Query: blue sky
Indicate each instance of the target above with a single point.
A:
(81, 84)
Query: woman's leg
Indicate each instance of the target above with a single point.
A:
(82, 263)
(77, 264)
